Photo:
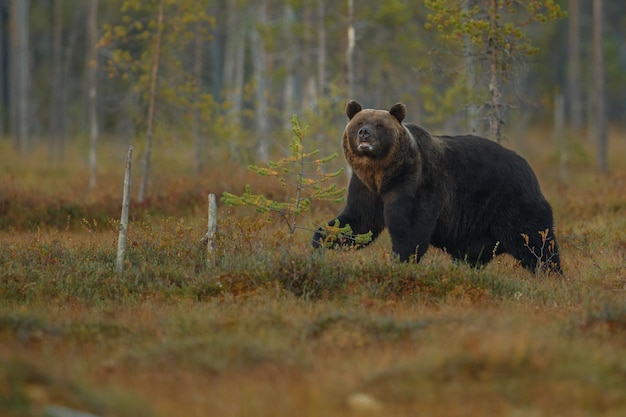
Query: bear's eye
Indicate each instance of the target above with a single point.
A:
(359, 124)
(379, 126)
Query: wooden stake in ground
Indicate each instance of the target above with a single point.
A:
(211, 233)
(121, 240)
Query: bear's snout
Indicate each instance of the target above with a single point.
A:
(365, 133)
(365, 138)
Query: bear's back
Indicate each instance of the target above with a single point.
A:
(472, 156)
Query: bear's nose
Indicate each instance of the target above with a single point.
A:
(364, 133)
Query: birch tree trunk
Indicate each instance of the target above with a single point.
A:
(233, 74)
(197, 111)
(308, 96)
(350, 66)
(350, 51)
(56, 113)
(259, 62)
(321, 48)
(150, 124)
(233, 69)
(3, 103)
(19, 77)
(290, 73)
(573, 67)
(470, 70)
(599, 81)
(92, 89)
(559, 135)
(495, 116)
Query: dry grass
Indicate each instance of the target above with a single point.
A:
(276, 330)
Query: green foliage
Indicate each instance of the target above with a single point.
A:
(458, 23)
(335, 234)
(302, 172)
(492, 38)
(395, 58)
(130, 45)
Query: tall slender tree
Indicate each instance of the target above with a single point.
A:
(599, 86)
(148, 50)
(234, 58)
(2, 72)
(197, 100)
(575, 110)
(57, 90)
(289, 88)
(497, 30)
(92, 90)
(350, 50)
(156, 61)
(309, 94)
(20, 73)
(494, 49)
(259, 63)
(321, 47)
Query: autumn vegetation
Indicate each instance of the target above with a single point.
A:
(276, 328)
(204, 91)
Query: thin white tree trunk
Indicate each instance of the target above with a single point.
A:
(259, 62)
(350, 50)
(310, 90)
(574, 71)
(350, 64)
(321, 49)
(56, 113)
(234, 71)
(3, 69)
(495, 115)
(19, 73)
(234, 54)
(92, 88)
(559, 134)
(599, 81)
(470, 81)
(290, 73)
(197, 112)
(150, 124)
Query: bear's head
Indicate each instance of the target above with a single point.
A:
(377, 146)
(372, 133)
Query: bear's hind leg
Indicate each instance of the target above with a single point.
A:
(536, 252)
(480, 253)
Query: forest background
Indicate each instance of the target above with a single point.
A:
(204, 88)
(231, 74)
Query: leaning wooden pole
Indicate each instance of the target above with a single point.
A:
(211, 234)
(121, 240)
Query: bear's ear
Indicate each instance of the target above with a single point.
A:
(398, 111)
(352, 108)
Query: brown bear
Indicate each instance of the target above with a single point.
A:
(464, 194)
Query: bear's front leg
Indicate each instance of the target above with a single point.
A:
(410, 226)
(363, 212)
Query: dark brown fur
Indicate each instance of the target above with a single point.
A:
(464, 194)
(379, 169)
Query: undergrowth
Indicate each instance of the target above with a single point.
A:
(166, 261)
(274, 319)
